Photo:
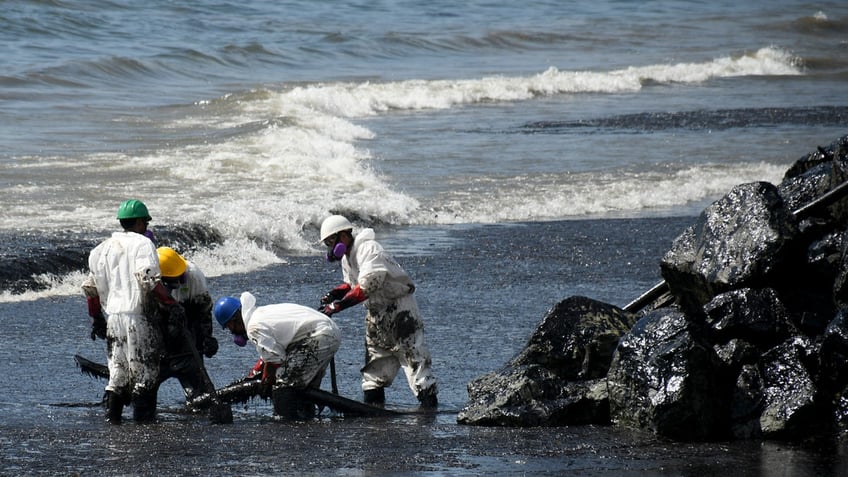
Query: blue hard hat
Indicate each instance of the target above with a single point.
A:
(225, 308)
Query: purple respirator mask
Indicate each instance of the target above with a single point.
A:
(337, 252)
(240, 340)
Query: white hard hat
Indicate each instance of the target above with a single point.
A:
(333, 225)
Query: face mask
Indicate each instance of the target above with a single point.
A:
(149, 234)
(174, 283)
(240, 340)
(338, 251)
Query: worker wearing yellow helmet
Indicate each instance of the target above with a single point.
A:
(184, 345)
(187, 285)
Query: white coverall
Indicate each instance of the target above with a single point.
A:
(194, 286)
(394, 331)
(299, 339)
(123, 270)
(193, 295)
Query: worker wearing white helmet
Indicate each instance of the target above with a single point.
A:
(394, 331)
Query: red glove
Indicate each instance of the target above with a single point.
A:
(256, 369)
(163, 296)
(269, 377)
(95, 310)
(335, 294)
(98, 321)
(352, 297)
(269, 373)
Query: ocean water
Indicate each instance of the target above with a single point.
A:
(510, 155)
(253, 120)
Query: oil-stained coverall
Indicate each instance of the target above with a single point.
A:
(124, 270)
(394, 331)
(192, 293)
(297, 340)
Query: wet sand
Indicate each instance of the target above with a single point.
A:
(409, 445)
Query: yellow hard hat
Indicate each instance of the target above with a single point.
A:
(171, 263)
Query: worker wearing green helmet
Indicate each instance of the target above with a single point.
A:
(124, 277)
(133, 209)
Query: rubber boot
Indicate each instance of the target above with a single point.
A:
(144, 406)
(374, 397)
(305, 410)
(428, 398)
(285, 402)
(114, 407)
(221, 413)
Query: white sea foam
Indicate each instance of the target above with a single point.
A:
(550, 197)
(66, 285)
(352, 100)
(268, 189)
(287, 173)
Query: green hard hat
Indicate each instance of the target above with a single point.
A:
(133, 209)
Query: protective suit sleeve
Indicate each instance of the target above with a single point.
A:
(269, 349)
(147, 270)
(248, 304)
(89, 286)
(372, 282)
(372, 258)
(204, 316)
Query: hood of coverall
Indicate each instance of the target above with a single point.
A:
(364, 235)
(248, 306)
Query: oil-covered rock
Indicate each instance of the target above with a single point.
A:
(746, 338)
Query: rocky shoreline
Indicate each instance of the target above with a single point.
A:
(746, 337)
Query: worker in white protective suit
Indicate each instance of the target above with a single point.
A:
(124, 294)
(185, 347)
(295, 345)
(394, 331)
(187, 284)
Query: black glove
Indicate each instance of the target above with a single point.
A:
(98, 328)
(266, 390)
(210, 346)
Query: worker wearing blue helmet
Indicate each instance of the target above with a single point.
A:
(295, 344)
